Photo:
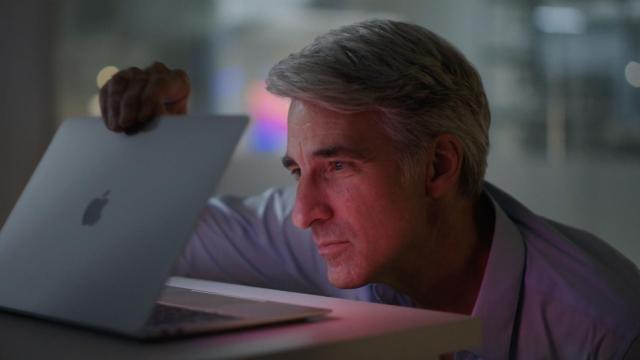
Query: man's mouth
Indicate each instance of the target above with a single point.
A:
(330, 249)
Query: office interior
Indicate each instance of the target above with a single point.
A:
(562, 78)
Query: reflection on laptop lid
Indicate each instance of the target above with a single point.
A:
(97, 229)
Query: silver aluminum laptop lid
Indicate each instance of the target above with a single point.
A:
(97, 229)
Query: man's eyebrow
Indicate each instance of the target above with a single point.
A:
(328, 152)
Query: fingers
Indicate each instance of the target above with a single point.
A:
(152, 98)
(112, 95)
(130, 101)
(172, 85)
(158, 68)
(167, 92)
(115, 92)
(133, 97)
(150, 103)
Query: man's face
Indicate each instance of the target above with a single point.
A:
(363, 216)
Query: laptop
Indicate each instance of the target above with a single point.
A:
(97, 230)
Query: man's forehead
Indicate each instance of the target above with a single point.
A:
(312, 128)
(308, 141)
(297, 105)
(304, 115)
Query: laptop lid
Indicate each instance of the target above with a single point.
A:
(104, 217)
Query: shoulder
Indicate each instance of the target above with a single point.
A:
(580, 270)
(577, 288)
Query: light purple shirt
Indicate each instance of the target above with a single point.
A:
(549, 291)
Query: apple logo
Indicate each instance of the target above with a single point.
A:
(94, 210)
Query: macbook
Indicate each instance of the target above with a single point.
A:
(105, 216)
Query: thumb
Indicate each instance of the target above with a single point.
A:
(176, 94)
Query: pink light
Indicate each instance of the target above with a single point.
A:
(264, 106)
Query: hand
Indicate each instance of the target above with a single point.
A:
(134, 97)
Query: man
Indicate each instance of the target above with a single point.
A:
(388, 138)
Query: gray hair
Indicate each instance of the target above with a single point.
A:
(421, 84)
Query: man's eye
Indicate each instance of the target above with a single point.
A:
(338, 166)
(295, 173)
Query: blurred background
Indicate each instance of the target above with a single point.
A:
(562, 77)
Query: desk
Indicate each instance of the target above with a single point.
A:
(353, 330)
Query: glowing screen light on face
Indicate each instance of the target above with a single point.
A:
(269, 114)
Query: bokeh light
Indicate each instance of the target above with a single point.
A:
(632, 73)
(93, 105)
(269, 113)
(105, 75)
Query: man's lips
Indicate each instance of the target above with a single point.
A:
(332, 248)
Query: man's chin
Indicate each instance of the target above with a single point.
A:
(345, 279)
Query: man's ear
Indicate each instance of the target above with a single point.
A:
(444, 165)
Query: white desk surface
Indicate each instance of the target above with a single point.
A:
(353, 330)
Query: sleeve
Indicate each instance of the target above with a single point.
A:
(252, 241)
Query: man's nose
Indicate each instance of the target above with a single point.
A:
(311, 204)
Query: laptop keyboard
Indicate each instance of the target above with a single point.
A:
(166, 315)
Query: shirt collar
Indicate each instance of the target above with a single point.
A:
(497, 302)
